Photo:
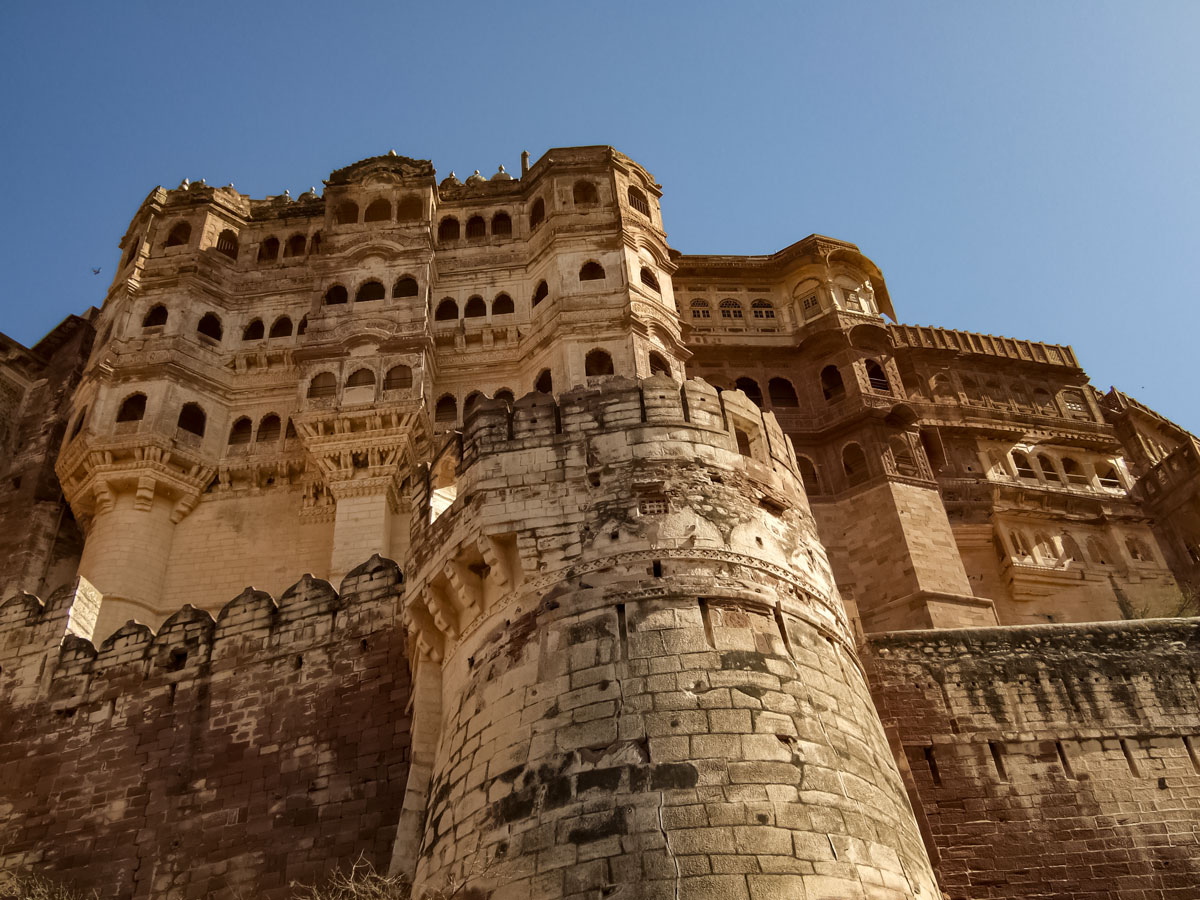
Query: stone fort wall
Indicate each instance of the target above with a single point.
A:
(1050, 761)
(647, 683)
(218, 759)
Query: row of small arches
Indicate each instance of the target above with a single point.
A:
(325, 384)
(296, 245)
(368, 291)
(181, 234)
(475, 308)
(855, 467)
(1072, 473)
(1042, 549)
(449, 228)
(192, 417)
(210, 325)
(732, 309)
(409, 208)
(270, 429)
(782, 393)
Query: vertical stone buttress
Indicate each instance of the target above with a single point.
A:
(645, 683)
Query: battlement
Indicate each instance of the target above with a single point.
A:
(55, 638)
(970, 342)
(618, 404)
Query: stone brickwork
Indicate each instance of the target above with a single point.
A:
(212, 759)
(647, 504)
(1050, 761)
(648, 686)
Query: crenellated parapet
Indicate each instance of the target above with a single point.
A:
(190, 644)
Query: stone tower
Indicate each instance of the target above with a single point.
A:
(633, 675)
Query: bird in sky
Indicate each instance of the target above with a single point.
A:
(95, 271)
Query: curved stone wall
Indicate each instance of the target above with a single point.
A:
(647, 685)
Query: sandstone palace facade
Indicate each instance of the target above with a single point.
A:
(581, 569)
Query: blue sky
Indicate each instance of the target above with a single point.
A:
(1027, 169)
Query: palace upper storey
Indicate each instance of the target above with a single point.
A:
(268, 382)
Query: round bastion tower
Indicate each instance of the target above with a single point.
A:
(633, 677)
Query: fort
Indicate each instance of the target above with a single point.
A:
(469, 529)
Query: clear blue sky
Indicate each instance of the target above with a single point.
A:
(1026, 169)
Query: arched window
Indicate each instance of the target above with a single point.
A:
(544, 383)
(1138, 551)
(638, 201)
(700, 309)
(253, 331)
(762, 309)
(405, 287)
(782, 393)
(241, 432)
(1043, 402)
(448, 229)
(1071, 551)
(941, 389)
(471, 402)
(750, 388)
(540, 293)
(537, 214)
(808, 475)
(78, 426)
(1106, 474)
(347, 213)
(1076, 406)
(659, 365)
(181, 234)
(268, 249)
(447, 310)
(398, 378)
(501, 225)
(446, 411)
(1021, 465)
(156, 318)
(210, 326)
(1019, 544)
(133, 408)
(1074, 472)
(597, 362)
(584, 193)
(877, 378)
(902, 456)
(227, 243)
(832, 387)
(361, 378)
(502, 305)
(1044, 548)
(649, 280)
(378, 211)
(475, 308)
(335, 295)
(268, 429)
(743, 442)
(371, 290)
(192, 419)
(1049, 472)
(506, 395)
(289, 433)
(1100, 552)
(282, 327)
(410, 208)
(476, 228)
(324, 384)
(315, 246)
(302, 327)
(591, 271)
(295, 245)
(970, 390)
(730, 309)
(854, 463)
